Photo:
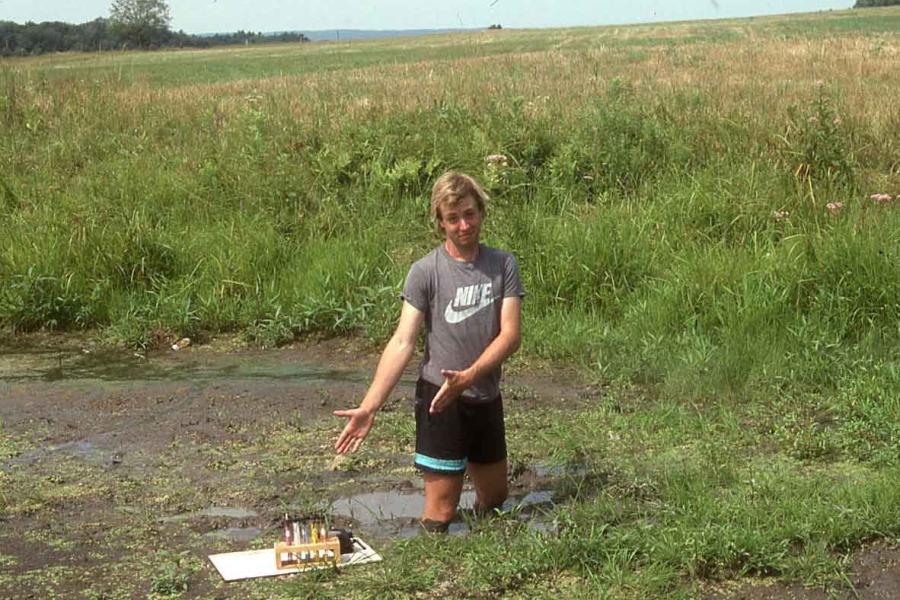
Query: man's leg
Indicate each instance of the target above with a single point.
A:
(487, 454)
(441, 499)
(441, 458)
(491, 486)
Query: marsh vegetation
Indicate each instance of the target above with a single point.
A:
(706, 220)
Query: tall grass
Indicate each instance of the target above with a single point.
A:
(666, 193)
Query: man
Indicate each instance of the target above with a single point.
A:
(469, 297)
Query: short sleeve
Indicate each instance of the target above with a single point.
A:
(415, 290)
(512, 283)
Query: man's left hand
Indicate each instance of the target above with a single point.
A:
(455, 383)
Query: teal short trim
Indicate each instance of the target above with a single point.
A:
(441, 464)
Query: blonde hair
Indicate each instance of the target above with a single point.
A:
(449, 189)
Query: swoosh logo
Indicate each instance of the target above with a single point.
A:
(454, 316)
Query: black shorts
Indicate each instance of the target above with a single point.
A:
(464, 431)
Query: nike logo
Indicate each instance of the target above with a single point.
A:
(469, 300)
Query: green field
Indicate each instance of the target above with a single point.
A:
(667, 195)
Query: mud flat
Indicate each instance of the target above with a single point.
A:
(121, 472)
(111, 456)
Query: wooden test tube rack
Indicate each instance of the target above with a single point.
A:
(312, 552)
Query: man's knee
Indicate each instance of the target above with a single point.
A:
(488, 501)
(491, 485)
(441, 497)
(433, 526)
(441, 508)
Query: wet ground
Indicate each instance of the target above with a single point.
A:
(107, 453)
(111, 455)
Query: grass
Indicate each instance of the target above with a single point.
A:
(666, 196)
(674, 496)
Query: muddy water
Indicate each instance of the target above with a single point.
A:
(213, 512)
(381, 515)
(72, 365)
(80, 449)
(120, 409)
(389, 513)
(395, 513)
(236, 534)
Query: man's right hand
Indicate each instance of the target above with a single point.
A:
(355, 431)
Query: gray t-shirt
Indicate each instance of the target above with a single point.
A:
(462, 303)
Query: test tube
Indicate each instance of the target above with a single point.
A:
(296, 529)
(288, 537)
(305, 537)
(288, 530)
(323, 537)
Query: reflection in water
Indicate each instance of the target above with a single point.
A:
(72, 365)
(396, 513)
(388, 510)
(212, 512)
(82, 449)
(236, 534)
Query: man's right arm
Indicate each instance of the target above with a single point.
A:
(396, 356)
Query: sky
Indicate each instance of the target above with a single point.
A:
(208, 16)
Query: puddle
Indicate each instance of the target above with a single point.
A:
(212, 512)
(235, 534)
(75, 365)
(231, 534)
(396, 513)
(388, 512)
(81, 449)
(535, 498)
(556, 471)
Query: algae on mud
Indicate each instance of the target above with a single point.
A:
(108, 467)
(632, 478)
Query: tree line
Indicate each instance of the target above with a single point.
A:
(870, 3)
(100, 34)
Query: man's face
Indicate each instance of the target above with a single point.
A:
(462, 223)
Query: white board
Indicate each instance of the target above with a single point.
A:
(233, 566)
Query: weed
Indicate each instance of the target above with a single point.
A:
(172, 574)
(8, 446)
(820, 144)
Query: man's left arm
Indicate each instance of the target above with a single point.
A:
(501, 347)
